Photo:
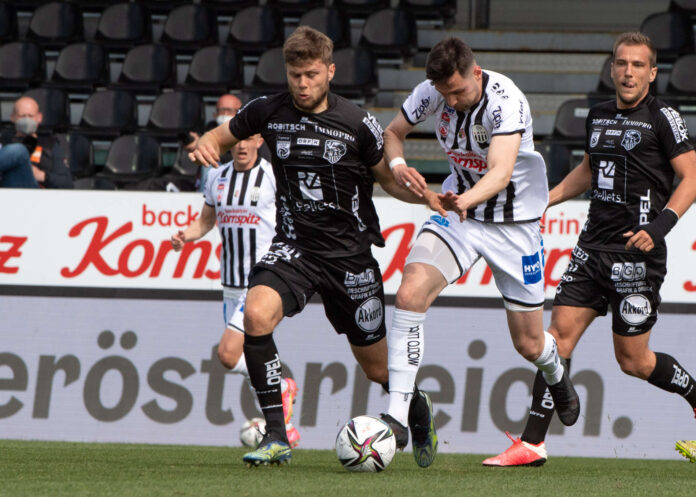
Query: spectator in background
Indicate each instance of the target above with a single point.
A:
(30, 160)
(225, 109)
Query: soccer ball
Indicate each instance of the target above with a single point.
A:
(252, 432)
(365, 444)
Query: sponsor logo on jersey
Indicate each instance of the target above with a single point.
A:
(310, 185)
(334, 150)
(443, 129)
(631, 139)
(605, 175)
(367, 277)
(445, 117)
(255, 194)
(237, 217)
(635, 309)
(497, 117)
(480, 134)
(369, 315)
(469, 160)
(580, 254)
(444, 124)
(439, 220)
(532, 269)
(287, 224)
(312, 142)
(613, 132)
(598, 122)
(287, 127)
(355, 205)
(594, 138)
(335, 133)
(644, 208)
(676, 123)
(521, 111)
(283, 147)
(373, 125)
(422, 107)
(497, 89)
(628, 271)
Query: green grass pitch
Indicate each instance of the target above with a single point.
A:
(85, 469)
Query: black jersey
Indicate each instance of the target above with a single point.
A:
(632, 179)
(322, 167)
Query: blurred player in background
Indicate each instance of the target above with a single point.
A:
(498, 188)
(240, 196)
(327, 153)
(634, 146)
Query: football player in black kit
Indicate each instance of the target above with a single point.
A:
(634, 146)
(326, 154)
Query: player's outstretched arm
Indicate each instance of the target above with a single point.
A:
(394, 137)
(387, 181)
(576, 182)
(212, 145)
(196, 230)
(684, 195)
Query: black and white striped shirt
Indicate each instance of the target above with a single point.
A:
(244, 204)
(465, 138)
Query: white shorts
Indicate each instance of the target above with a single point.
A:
(514, 252)
(233, 307)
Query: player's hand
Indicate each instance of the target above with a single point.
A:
(641, 240)
(410, 178)
(434, 202)
(453, 202)
(205, 154)
(178, 240)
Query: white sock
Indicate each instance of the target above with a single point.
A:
(549, 362)
(406, 343)
(241, 367)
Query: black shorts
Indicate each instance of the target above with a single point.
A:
(629, 282)
(350, 287)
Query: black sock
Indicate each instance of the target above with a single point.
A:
(264, 373)
(541, 411)
(671, 376)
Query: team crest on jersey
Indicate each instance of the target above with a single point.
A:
(334, 150)
(631, 139)
(480, 134)
(283, 148)
(594, 139)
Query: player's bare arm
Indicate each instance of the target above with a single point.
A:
(196, 230)
(394, 137)
(212, 145)
(501, 159)
(684, 195)
(576, 182)
(387, 181)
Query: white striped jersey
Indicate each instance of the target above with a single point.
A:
(245, 210)
(466, 136)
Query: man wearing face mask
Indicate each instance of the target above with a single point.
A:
(30, 160)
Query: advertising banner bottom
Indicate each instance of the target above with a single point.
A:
(119, 370)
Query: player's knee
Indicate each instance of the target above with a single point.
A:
(409, 298)
(257, 320)
(633, 366)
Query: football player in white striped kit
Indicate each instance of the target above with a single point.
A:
(498, 187)
(240, 197)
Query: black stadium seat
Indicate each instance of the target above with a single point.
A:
(81, 67)
(124, 25)
(215, 70)
(54, 106)
(390, 34)
(55, 24)
(270, 76)
(356, 73)
(131, 158)
(682, 79)
(361, 8)
(22, 65)
(8, 22)
(147, 69)
(108, 113)
(175, 113)
(671, 32)
(229, 7)
(295, 8)
(256, 29)
(79, 154)
(444, 10)
(190, 26)
(332, 22)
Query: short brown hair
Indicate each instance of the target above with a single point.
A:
(635, 38)
(307, 44)
(446, 57)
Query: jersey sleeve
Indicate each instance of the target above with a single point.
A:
(421, 103)
(249, 120)
(210, 182)
(508, 115)
(672, 133)
(371, 140)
